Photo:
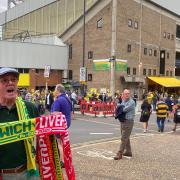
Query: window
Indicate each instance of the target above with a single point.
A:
(90, 54)
(129, 48)
(134, 71)
(144, 72)
(136, 25)
(150, 52)
(37, 71)
(70, 74)
(172, 36)
(167, 73)
(171, 73)
(154, 72)
(26, 70)
(168, 35)
(89, 77)
(100, 23)
(70, 51)
(145, 51)
(155, 52)
(21, 70)
(128, 71)
(149, 72)
(129, 23)
(167, 55)
(164, 34)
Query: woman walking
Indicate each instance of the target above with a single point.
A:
(176, 116)
(145, 114)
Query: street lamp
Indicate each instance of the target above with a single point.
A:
(83, 69)
(113, 47)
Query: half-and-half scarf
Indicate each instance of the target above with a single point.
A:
(29, 143)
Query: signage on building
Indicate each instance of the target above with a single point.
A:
(82, 74)
(47, 71)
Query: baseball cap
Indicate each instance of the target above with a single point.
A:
(6, 70)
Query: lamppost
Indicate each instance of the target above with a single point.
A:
(139, 84)
(83, 69)
(113, 47)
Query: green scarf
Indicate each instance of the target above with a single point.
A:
(30, 150)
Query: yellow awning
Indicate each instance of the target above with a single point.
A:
(24, 80)
(166, 81)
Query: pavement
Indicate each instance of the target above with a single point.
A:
(155, 157)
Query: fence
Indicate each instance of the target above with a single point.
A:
(98, 108)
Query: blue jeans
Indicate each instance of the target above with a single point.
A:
(160, 123)
(18, 176)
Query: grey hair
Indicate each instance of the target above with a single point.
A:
(60, 88)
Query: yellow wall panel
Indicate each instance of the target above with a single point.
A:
(46, 20)
(78, 8)
(53, 18)
(61, 16)
(69, 13)
(32, 27)
(39, 22)
(24, 80)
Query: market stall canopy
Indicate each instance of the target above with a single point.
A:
(166, 81)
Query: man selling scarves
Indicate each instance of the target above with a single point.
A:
(17, 159)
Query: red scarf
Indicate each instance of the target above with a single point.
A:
(53, 125)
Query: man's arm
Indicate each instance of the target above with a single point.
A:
(129, 107)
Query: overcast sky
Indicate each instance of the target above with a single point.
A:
(173, 5)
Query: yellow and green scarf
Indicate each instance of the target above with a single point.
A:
(29, 143)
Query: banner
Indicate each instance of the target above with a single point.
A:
(104, 65)
(101, 65)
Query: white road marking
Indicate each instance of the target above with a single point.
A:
(100, 133)
(116, 125)
(117, 140)
(97, 153)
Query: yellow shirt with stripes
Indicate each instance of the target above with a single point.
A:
(162, 110)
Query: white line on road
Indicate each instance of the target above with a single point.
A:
(100, 133)
(93, 143)
(117, 125)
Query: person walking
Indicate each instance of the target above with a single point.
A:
(126, 125)
(145, 114)
(49, 99)
(62, 104)
(16, 158)
(176, 116)
(74, 99)
(161, 111)
(170, 104)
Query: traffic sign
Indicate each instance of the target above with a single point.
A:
(47, 71)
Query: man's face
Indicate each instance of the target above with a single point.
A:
(126, 94)
(8, 86)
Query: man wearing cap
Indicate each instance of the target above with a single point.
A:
(13, 156)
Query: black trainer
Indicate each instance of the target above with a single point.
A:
(127, 154)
